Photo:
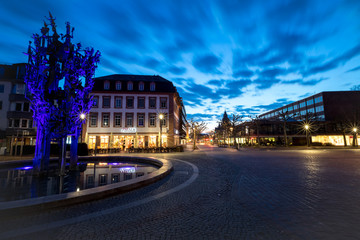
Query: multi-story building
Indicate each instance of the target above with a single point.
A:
(126, 113)
(335, 115)
(16, 123)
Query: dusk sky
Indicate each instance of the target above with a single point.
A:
(245, 57)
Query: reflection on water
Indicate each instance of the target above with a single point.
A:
(19, 183)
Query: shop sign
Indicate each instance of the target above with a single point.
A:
(128, 130)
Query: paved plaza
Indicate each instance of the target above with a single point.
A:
(218, 193)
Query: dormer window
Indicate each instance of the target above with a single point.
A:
(141, 86)
(118, 85)
(106, 85)
(152, 86)
(130, 86)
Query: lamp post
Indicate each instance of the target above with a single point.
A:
(82, 117)
(161, 117)
(355, 137)
(307, 127)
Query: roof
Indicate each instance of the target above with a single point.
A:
(162, 84)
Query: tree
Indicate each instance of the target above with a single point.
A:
(59, 78)
(284, 117)
(196, 129)
(234, 123)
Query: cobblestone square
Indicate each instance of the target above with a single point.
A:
(218, 193)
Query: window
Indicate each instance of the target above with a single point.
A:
(152, 120)
(18, 106)
(24, 123)
(10, 123)
(30, 124)
(129, 102)
(2, 87)
(90, 181)
(130, 86)
(290, 108)
(102, 179)
(95, 101)
(106, 85)
(141, 120)
(321, 117)
(118, 85)
(105, 119)
(17, 123)
(141, 86)
(141, 102)
(152, 102)
(163, 102)
(318, 99)
(302, 104)
(18, 89)
(117, 120)
(320, 108)
(309, 102)
(311, 110)
(93, 120)
(303, 113)
(152, 86)
(129, 120)
(0, 105)
(106, 102)
(115, 177)
(118, 102)
(296, 107)
(163, 122)
(26, 106)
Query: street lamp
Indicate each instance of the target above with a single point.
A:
(161, 117)
(82, 117)
(355, 137)
(307, 127)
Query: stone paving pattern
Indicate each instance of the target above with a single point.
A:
(245, 194)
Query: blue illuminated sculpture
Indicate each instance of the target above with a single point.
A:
(59, 78)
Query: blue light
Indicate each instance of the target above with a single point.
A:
(25, 168)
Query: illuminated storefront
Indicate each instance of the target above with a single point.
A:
(336, 140)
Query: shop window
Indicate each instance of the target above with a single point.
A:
(106, 102)
(141, 120)
(129, 120)
(95, 101)
(117, 120)
(129, 102)
(118, 85)
(105, 120)
(92, 142)
(141, 102)
(104, 141)
(127, 176)
(106, 85)
(93, 119)
(118, 102)
(163, 102)
(152, 102)
(141, 86)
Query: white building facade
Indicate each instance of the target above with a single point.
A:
(126, 113)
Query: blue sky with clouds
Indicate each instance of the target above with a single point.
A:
(245, 57)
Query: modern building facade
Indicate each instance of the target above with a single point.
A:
(127, 111)
(334, 116)
(16, 123)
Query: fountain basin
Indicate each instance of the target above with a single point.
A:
(165, 167)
